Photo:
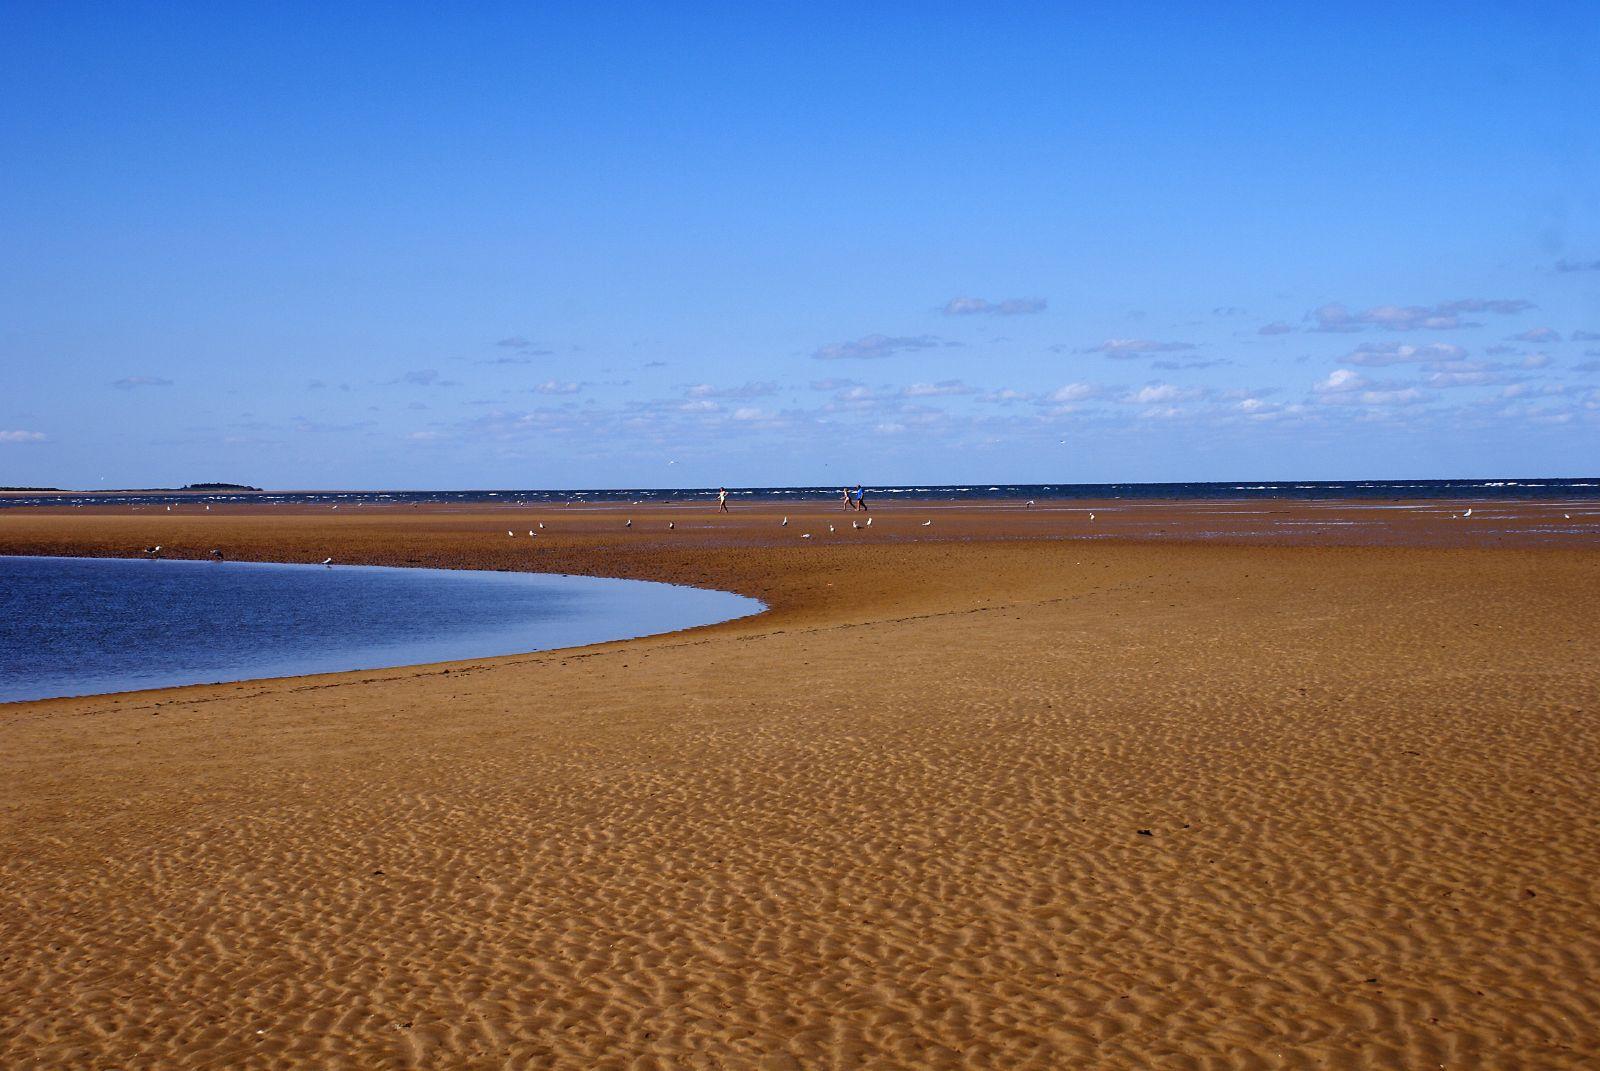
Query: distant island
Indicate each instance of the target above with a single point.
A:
(218, 487)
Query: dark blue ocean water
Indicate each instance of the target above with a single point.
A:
(1514, 489)
(82, 626)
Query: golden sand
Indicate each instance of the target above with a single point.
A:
(969, 795)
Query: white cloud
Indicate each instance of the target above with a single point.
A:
(943, 388)
(131, 382)
(19, 436)
(971, 306)
(1075, 392)
(871, 347)
(1136, 347)
(1378, 354)
(553, 386)
(1444, 316)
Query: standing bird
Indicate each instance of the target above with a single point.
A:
(855, 524)
(927, 524)
(869, 522)
(830, 527)
(541, 526)
(1029, 504)
(629, 524)
(671, 525)
(531, 534)
(1091, 516)
(511, 534)
(1467, 514)
(805, 535)
(785, 523)
(217, 554)
(327, 561)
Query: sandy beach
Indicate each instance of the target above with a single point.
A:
(1296, 785)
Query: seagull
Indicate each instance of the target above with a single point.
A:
(531, 534)
(855, 524)
(217, 554)
(511, 534)
(830, 527)
(1568, 516)
(541, 525)
(327, 561)
(169, 509)
(785, 523)
(671, 525)
(805, 535)
(629, 524)
(1467, 514)
(335, 505)
(152, 550)
(1091, 516)
(869, 522)
(927, 524)
(1029, 504)
(208, 509)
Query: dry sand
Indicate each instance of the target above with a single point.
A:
(899, 821)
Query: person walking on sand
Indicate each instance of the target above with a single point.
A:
(722, 499)
(844, 493)
(861, 498)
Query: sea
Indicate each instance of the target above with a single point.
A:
(85, 626)
(1305, 490)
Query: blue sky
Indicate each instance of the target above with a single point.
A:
(658, 245)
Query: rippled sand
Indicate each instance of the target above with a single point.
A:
(986, 794)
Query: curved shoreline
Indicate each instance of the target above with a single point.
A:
(269, 642)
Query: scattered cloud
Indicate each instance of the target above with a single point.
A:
(552, 386)
(1125, 348)
(943, 388)
(1585, 336)
(1155, 393)
(521, 345)
(1276, 327)
(1227, 310)
(1537, 334)
(1441, 317)
(1379, 354)
(972, 306)
(1075, 392)
(871, 347)
(764, 389)
(19, 436)
(425, 377)
(1564, 265)
(834, 383)
(133, 382)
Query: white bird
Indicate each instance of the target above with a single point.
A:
(830, 527)
(805, 535)
(785, 523)
(531, 534)
(327, 561)
(629, 524)
(855, 524)
(1568, 516)
(1030, 504)
(926, 524)
(869, 522)
(511, 534)
(671, 525)
(1467, 514)
(336, 505)
(208, 509)
(169, 509)
(541, 526)
(217, 554)
(1091, 516)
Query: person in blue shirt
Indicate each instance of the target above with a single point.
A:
(860, 499)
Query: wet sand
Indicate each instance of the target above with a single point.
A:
(1012, 790)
